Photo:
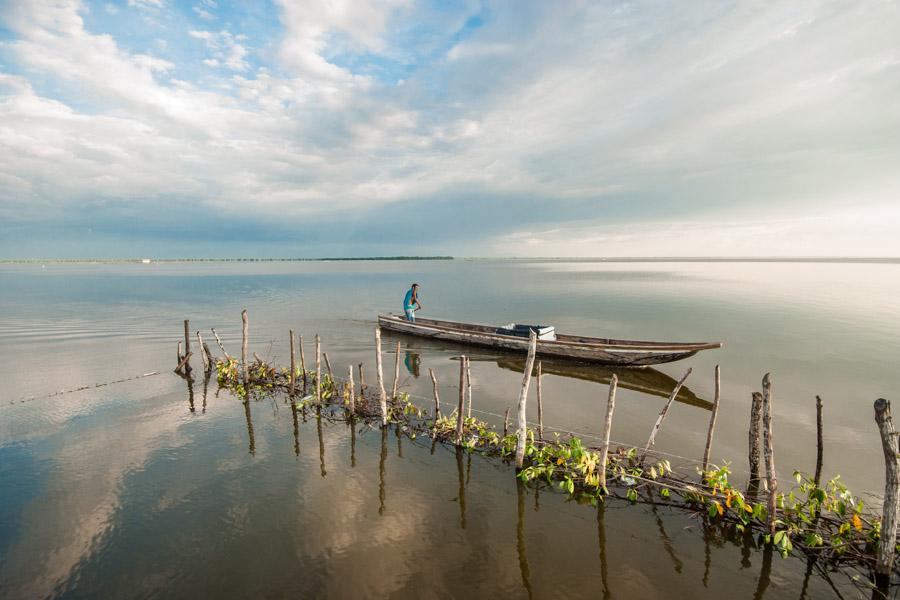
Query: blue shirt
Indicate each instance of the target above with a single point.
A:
(408, 300)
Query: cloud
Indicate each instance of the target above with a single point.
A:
(570, 118)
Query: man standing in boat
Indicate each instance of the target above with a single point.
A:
(411, 303)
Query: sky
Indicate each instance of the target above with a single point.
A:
(205, 128)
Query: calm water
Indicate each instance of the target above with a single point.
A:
(133, 490)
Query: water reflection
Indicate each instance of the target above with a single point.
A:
(520, 537)
(296, 427)
(765, 574)
(321, 440)
(646, 380)
(601, 538)
(352, 425)
(412, 361)
(461, 496)
(250, 437)
(381, 461)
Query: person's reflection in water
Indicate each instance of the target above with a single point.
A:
(411, 361)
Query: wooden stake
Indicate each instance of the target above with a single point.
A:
(886, 545)
(540, 404)
(712, 420)
(819, 442)
(607, 425)
(522, 430)
(206, 359)
(460, 415)
(328, 366)
(352, 391)
(245, 334)
(183, 362)
(187, 345)
(437, 400)
(303, 364)
(209, 356)
(754, 451)
(379, 375)
(179, 357)
(768, 436)
(469, 386)
(662, 414)
(362, 382)
(506, 423)
(293, 364)
(396, 374)
(219, 342)
(318, 370)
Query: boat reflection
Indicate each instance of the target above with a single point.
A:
(646, 380)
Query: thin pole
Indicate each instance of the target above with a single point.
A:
(179, 356)
(712, 420)
(522, 430)
(437, 400)
(506, 422)
(328, 366)
(607, 425)
(207, 360)
(219, 342)
(187, 345)
(662, 414)
(540, 404)
(318, 370)
(362, 382)
(469, 386)
(245, 333)
(379, 375)
(460, 417)
(293, 364)
(819, 443)
(885, 557)
(768, 435)
(396, 373)
(351, 389)
(754, 450)
(303, 364)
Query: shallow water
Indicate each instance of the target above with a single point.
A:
(131, 490)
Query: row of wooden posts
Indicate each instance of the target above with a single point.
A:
(761, 418)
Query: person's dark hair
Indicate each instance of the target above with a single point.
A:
(415, 285)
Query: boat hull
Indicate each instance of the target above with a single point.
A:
(619, 353)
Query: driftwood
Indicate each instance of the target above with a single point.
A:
(663, 412)
(183, 362)
(607, 425)
(768, 436)
(886, 546)
(522, 429)
(712, 420)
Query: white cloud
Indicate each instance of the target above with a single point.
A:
(226, 50)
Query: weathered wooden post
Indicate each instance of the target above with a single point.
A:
(540, 404)
(437, 400)
(187, 346)
(318, 370)
(179, 357)
(712, 420)
(245, 333)
(379, 375)
(754, 450)
(207, 360)
(662, 414)
(886, 546)
(362, 382)
(607, 427)
(768, 436)
(460, 415)
(469, 386)
(819, 443)
(183, 362)
(396, 373)
(506, 422)
(328, 366)
(219, 342)
(303, 364)
(293, 364)
(522, 430)
(350, 386)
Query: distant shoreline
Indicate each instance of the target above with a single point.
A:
(621, 259)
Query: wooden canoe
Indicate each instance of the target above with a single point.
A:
(620, 353)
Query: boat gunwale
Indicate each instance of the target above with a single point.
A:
(625, 346)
